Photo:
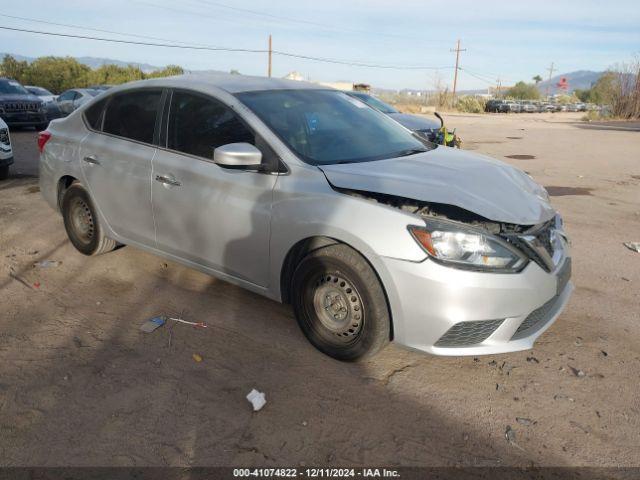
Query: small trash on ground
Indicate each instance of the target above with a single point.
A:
(524, 421)
(576, 371)
(36, 284)
(578, 342)
(603, 353)
(18, 278)
(510, 435)
(533, 360)
(635, 246)
(47, 264)
(197, 358)
(561, 396)
(186, 322)
(257, 399)
(152, 324)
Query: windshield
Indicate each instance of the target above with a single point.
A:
(326, 127)
(375, 103)
(12, 87)
(39, 91)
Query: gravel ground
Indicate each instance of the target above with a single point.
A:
(81, 385)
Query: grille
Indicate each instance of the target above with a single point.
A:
(11, 107)
(538, 239)
(4, 136)
(468, 333)
(541, 315)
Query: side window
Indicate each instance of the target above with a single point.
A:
(93, 114)
(133, 115)
(198, 125)
(68, 95)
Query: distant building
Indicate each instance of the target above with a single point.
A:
(294, 76)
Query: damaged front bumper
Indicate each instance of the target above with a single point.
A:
(446, 311)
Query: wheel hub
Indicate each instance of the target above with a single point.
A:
(82, 220)
(338, 305)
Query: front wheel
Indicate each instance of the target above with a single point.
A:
(81, 222)
(4, 172)
(340, 304)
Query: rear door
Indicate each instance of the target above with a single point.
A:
(206, 213)
(116, 161)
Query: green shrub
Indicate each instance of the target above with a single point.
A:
(471, 104)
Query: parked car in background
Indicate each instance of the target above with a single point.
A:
(102, 88)
(513, 107)
(425, 127)
(302, 194)
(52, 110)
(528, 106)
(19, 107)
(572, 107)
(6, 152)
(495, 106)
(72, 99)
(42, 93)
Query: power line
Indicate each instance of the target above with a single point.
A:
(229, 49)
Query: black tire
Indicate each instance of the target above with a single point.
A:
(81, 222)
(340, 304)
(4, 172)
(42, 126)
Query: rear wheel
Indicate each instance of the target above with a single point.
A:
(81, 222)
(4, 172)
(340, 304)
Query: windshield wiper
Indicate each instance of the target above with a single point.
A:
(410, 151)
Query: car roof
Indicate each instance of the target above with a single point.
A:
(224, 81)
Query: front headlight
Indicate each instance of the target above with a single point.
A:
(464, 247)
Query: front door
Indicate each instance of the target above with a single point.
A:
(116, 162)
(205, 213)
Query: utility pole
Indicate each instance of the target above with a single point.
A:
(455, 75)
(270, 55)
(551, 69)
(498, 87)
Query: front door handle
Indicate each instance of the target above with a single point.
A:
(91, 159)
(167, 180)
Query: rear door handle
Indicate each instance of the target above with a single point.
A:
(91, 159)
(167, 180)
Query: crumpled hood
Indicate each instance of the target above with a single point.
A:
(477, 183)
(415, 122)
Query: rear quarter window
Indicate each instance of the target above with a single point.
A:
(133, 115)
(93, 115)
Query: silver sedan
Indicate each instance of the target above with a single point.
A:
(310, 197)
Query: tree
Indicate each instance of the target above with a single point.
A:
(12, 68)
(524, 91)
(537, 79)
(603, 91)
(57, 74)
(168, 71)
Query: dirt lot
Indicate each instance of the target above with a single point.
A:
(81, 385)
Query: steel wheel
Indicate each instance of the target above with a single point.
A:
(82, 220)
(338, 306)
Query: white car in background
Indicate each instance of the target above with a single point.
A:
(6, 153)
(42, 93)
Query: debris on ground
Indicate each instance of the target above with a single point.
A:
(257, 399)
(197, 358)
(603, 353)
(561, 396)
(21, 280)
(578, 342)
(152, 324)
(533, 360)
(577, 372)
(36, 284)
(510, 435)
(186, 322)
(47, 264)
(524, 421)
(635, 246)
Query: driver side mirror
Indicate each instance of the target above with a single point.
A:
(238, 155)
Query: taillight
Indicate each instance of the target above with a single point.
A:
(43, 138)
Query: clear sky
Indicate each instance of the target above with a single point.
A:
(513, 40)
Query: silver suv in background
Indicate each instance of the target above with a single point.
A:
(309, 197)
(6, 152)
